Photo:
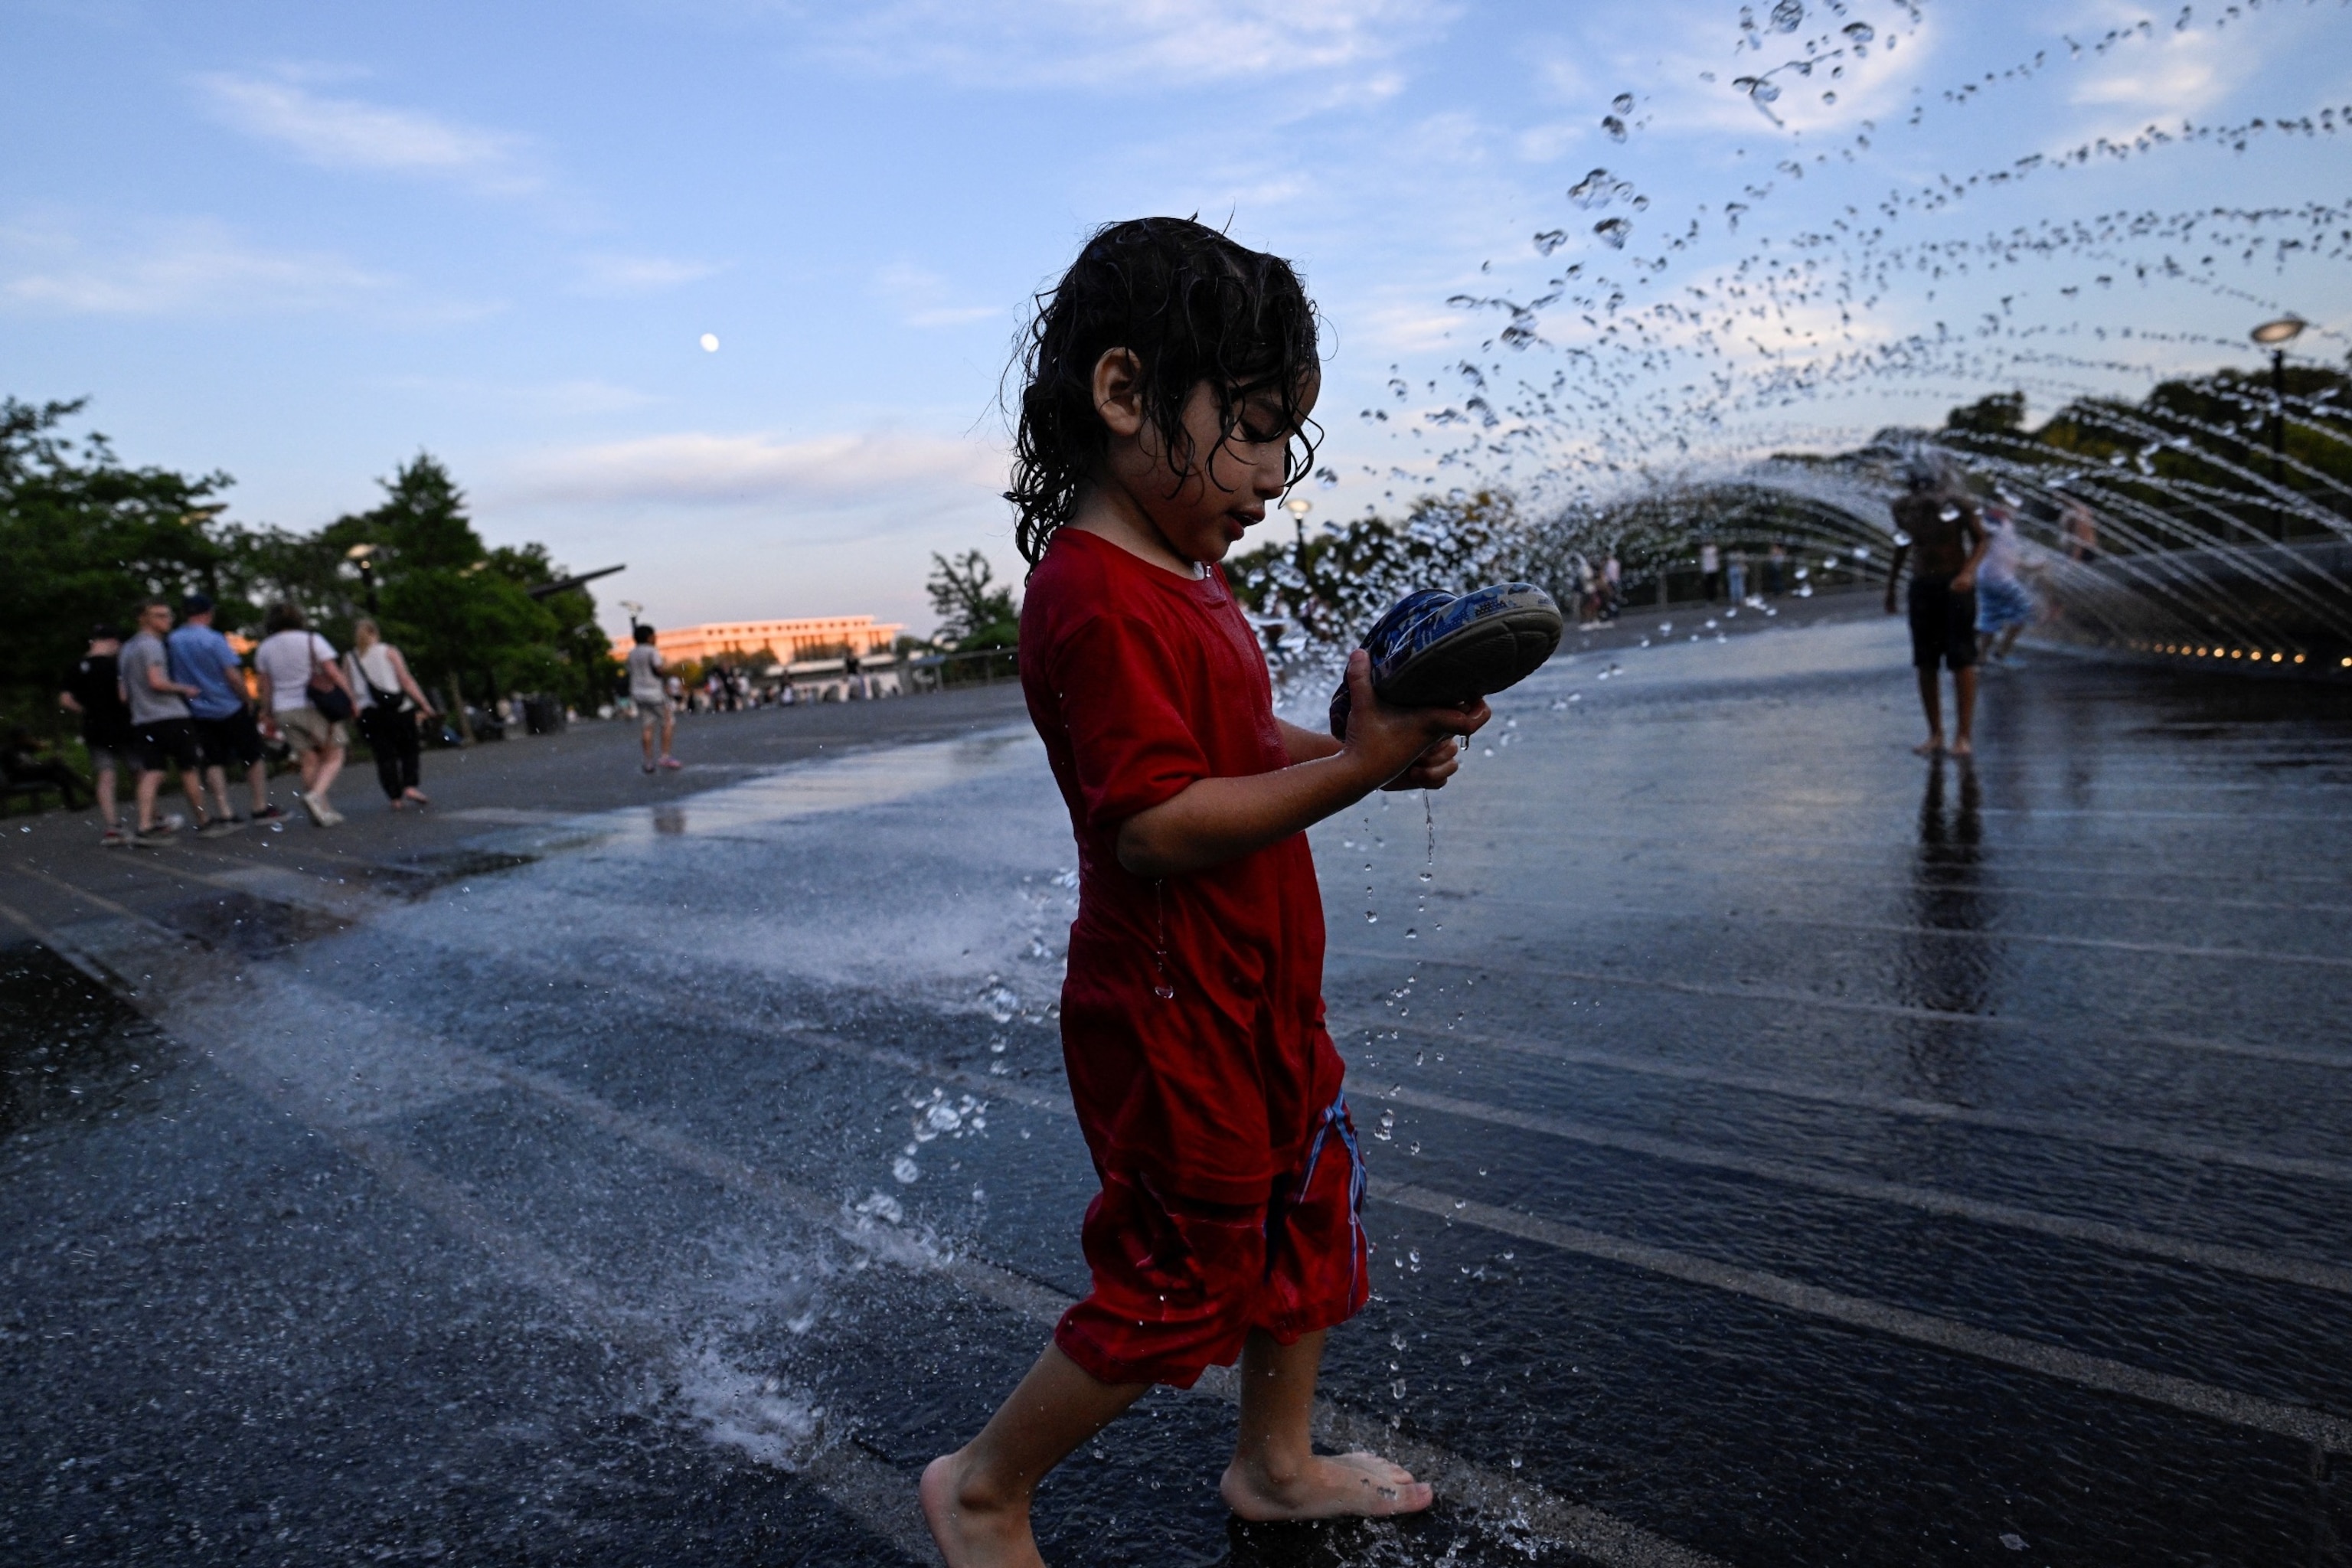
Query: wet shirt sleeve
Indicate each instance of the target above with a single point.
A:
(1130, 741)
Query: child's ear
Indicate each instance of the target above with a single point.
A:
(1119, 392)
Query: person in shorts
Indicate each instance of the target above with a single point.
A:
(1938, 534)
(1170, 380)
(93, 690)
(2004, 605)
(224, 725)
(290, 658)
(159, 719)
(649, 692)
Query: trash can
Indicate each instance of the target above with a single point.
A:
(543, 715)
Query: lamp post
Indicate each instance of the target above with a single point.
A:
(1298, 507)
(2275, 336)
(364, 557)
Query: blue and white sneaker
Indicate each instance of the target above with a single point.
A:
(1436, 649)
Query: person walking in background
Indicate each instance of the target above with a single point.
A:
(1612, 586)
(1710, 568)
(159, 716)
(390, 703)
(225, 731)
(2004, 608)
(306, 698)
(1941, 535)
(649, 691)
(1776, 570)
(2080, 530)
(1735, 575)
(93, 690)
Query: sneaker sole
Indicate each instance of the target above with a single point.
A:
(1489, 655)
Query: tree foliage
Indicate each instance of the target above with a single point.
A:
(974, 611)
(83, 537)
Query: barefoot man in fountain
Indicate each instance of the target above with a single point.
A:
(1167, 381)
(1938, 533)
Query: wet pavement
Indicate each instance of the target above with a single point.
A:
(1785, 1151)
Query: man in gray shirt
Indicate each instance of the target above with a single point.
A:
(158, 721)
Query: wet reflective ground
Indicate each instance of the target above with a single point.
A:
(1785, 1151)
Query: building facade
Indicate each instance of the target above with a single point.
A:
(810, 636)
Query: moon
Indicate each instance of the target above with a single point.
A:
(710, 343)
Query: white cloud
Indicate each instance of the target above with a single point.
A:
(195, 264)
(348, 133)
(640, 274)
(1080, 43)
(2179, 74)
(923, 299)
(824, 472)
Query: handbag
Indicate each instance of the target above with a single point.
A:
(393, 702)
(331, 700)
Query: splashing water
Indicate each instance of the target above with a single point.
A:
(1659, 363)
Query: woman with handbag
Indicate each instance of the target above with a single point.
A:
(305, 698)
(390, 703)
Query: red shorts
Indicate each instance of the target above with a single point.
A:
(1179, 1284)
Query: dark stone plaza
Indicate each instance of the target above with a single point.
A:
(1784, 1149)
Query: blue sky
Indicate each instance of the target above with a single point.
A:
(300, 243)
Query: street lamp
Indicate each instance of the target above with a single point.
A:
(362, 556)
(1298, 507)
(634, 610)
(2275, 336)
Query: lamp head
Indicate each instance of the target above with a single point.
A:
(1298, 506)
(2286, 329)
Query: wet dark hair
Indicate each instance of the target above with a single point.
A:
(1192, 306)
(283, 619)
(642, 633)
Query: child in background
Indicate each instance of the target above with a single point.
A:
(1169, 380)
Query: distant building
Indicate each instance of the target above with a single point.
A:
(817, 636)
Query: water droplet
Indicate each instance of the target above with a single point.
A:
(1163, 990)
(1860, 32)
(1622, 104)
(1371, 917)
(906, 1171)
(1788, 15)
(1615, 126)
(1828, 98)
(1613, 232)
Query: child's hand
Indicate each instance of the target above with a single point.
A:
(1405, 748)
(1431, 769)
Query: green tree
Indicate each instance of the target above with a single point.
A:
(974, 611)
(463, 613)
(83, 539)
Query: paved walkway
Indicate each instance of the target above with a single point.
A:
(1784, 1151)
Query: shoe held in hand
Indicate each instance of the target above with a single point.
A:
(1436, 649)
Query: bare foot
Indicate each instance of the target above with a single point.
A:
(1328, 1487)
(969, 1532)
(1961, 748)
(1932, 746)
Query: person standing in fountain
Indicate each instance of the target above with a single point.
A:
(2004, 608)
(1167, 381)
(1938, 534)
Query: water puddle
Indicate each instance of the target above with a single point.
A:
(70, 1050)
(249, 926)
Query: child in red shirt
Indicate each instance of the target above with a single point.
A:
(1169, 380)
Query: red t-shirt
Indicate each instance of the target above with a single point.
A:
(1141, 681)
